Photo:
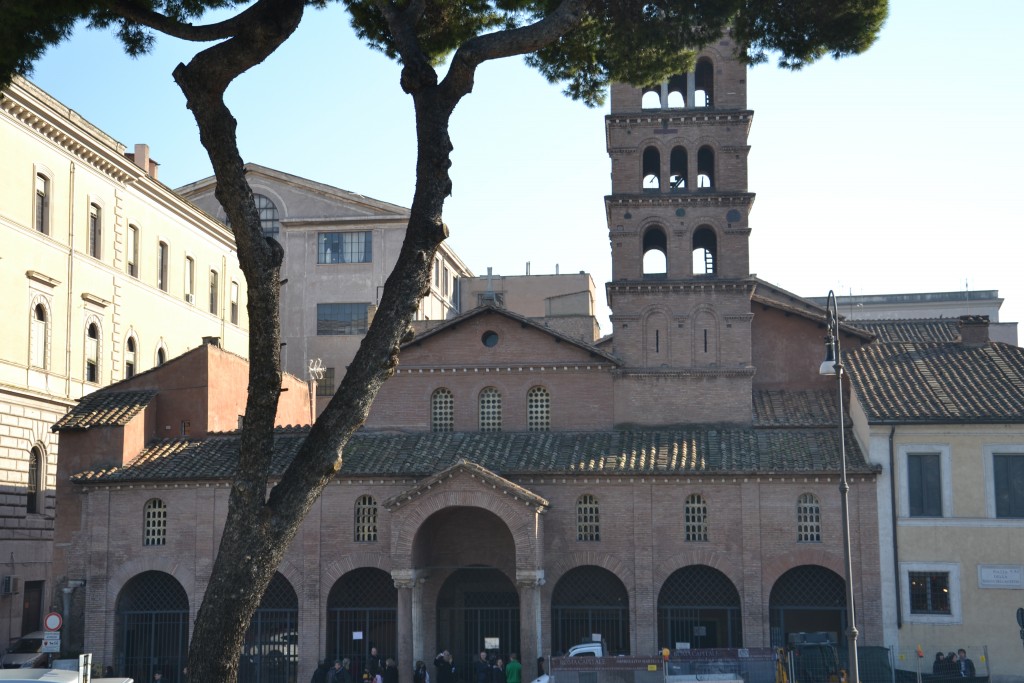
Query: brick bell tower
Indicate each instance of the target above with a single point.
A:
(679, 232)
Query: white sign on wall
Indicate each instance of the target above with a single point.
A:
(1000, 576)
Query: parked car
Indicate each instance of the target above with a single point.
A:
(25, 653)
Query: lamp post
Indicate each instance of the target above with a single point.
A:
(833, 365)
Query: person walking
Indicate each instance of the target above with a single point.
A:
(513, 670)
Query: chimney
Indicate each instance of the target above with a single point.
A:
(142, 160)
(212, 341)
(973, 330)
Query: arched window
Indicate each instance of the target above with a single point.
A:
(42, 208)
(652, 169)
(651, 97)
(154, 530)
(704, 83)
(588, 520)
(705, 249)
(161, 356)
(696, 518)
(705, 167)
(442, 410)
(129, 357)
(678, 169)
(270, 221)
(366, 519)
(538, 410)
(40, 333)
(655, 248)
(677, 92)
(808, 519)
(92, 353)
(34, 485)
(490, 410)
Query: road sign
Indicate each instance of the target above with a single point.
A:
(51, 641)
(53, 621)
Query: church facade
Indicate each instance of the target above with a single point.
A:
(520, 489)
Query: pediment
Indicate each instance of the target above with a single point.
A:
(465, 474)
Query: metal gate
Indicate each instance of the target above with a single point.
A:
(586, 601)
(807, 599)
(362, 613)
(699, 605)
(270, 653)
(476, 604)
(152, 625)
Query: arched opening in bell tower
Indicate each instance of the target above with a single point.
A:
(651, 169)
(705, 251)
(705, 167)
(651, 97)
(678, 169)
(655, 249)
(677, 92)
(704, 83)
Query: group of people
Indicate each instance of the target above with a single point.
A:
(377, 670)
(954, 664)
(496, 670)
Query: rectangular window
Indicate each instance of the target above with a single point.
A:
(437, 274)
(325, 386)
(234, 303)
(214, 299)
(1008, 471)
(133, 251)
(345, 247)
(95, 230)
(161, 273)
(190, 280)
(929, 593)
(42, 204)
(444, 282)
(334, 319)
(924, 484)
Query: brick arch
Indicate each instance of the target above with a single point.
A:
(707, 557)
(168, 565)
(571, 561)
(333, 571)
(773, 569)
(517, 517)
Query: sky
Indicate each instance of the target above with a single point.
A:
(887, 172)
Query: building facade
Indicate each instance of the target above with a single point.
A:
(106, 273)
(339, 248)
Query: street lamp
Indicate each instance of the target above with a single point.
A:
(833, 365)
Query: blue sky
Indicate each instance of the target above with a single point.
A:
(893, 171)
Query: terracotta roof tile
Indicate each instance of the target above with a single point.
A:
(696, 451)
(939, 382)
(782, 408)
(930, 330)
(105, 409)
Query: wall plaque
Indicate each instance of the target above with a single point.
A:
(1000, 576)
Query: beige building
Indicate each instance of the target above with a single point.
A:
(339, 249)
(106, 273)
(940, 408)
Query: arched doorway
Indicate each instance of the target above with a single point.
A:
(699, 605)
(361, 613)
(807, 599)
(151, 623)
(478, 609)
(270, 653)
(586, 601)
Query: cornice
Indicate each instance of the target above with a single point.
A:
(662, 117)
(698, 198)
(505, 369)
(645, 286)
(746, 371)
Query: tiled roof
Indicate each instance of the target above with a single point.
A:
(105, 409)
(939, 382)
(786, 408)
(924, 330)
(700, 450)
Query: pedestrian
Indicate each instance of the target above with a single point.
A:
(335, 675)
(419, 673)
(390, 674)
(320, 673)
(482, 669)
(966, 665)
(445, 664)
(513, 670)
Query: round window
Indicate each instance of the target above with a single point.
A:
(490, 338)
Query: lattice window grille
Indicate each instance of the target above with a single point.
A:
(696, 518)
(442, 411)
(155, 531)
(538, 410)
(588, 521)
(490, 410)
(366, 519)
(808, 519)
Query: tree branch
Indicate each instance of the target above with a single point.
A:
(133, 11)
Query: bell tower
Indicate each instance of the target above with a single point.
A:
(679, 232)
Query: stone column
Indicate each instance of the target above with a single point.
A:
(404, 582)
(531, 637)
(418, 623)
